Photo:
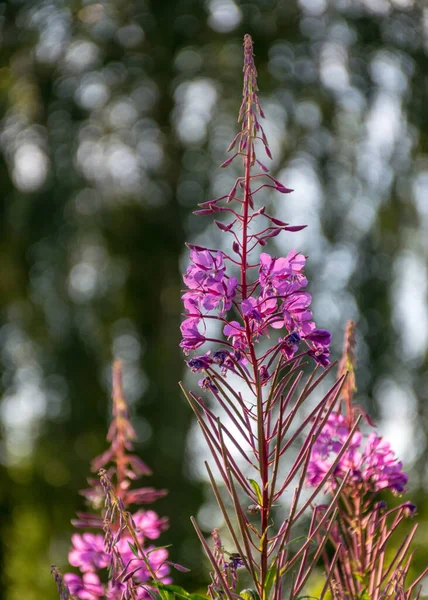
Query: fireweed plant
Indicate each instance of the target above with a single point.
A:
(362, 565)
(121, 560)
(261, 382)
(268, 294)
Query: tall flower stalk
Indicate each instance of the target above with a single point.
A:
(122, 562)
(270, 294)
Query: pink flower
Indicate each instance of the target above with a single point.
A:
(192, 339)
(381, 467)
(295, 312)
(259, 310)
(219, 295)
(88, 552)
(277, 274)
(149, 524)
(290, 344)
(333, 436)
(237, 332)
(87, 587)
(376, 467)
(157, 560)
(117, 590)
(316, 471)
(199, 363)
(208, 284)
(319, 341)
(206, 269)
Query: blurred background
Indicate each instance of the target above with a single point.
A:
(114, 118)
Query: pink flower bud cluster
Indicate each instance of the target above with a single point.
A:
(278, 301)
(88, 554)
(373, 465)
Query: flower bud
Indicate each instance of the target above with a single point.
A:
(233, 142)
(203, 211)
(409, 509)
(227, 162)
(277, 221)
(262, 166)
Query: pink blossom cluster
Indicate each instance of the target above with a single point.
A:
(373, 467)
(209, 286)
(267, 292)
(278, 300)
(89, 555)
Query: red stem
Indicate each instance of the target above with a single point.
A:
(262, 438)
(119, 443)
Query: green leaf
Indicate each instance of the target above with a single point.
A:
(270, 580)
(178, 592)
(165, 595)
(157, 548)
(256, 488)
(133, 549)
(175, 591)
(249, 595)
(262, 539)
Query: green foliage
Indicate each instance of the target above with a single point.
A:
(270, 580)
(256, 488)
(133, 549)
(175, 592)
(249, 594)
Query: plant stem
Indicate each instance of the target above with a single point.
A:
(263, 452)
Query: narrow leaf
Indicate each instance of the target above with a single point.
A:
(256, 488)
(270, 580)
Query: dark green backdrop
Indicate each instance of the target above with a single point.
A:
(114, 116)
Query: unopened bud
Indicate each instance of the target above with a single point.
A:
(409, 509)
(233, 142)
(282, 189)
(295, 228)
(222, 226)
(227, 162)
(261, 211)
(262, 166)
(203, 211)
(232, 191)
(277, 221)
(178, 567)
(274, 232)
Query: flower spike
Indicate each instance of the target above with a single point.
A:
(123, 547)
(268, 294)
